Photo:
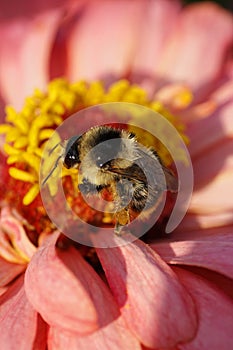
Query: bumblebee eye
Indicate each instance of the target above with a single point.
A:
(72, 155)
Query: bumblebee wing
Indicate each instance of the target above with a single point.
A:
(171, 180)
(132, 172)
(156, 170)
(147, 165)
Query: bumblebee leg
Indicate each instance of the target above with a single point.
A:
(122, 194)
(86, 187)
(122, 219)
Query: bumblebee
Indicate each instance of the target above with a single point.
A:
(113, 159)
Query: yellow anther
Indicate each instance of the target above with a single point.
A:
(5, 128)
(38, 152)
(11, 113)
(21, 175)
(45, 134)
(31, 194)
(21, 142)
(21, 124)
(10, 150)
(32, 160)
(94, 94)
(57, 119)
(58, 108)
(33, 137)
(12, 135)
(14, 159)
(183, 99)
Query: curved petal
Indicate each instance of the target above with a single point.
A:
(25, 49)
(214, 198)
(57, 294)
(215, 314)
(18, 320)
(214, 253)
(114, 336)
(180, 234)
(147, 292)
(3, 290)
(159, 21)
(15, 237)
(9, 271)
(217, 126)
(192, 222)
(215, 161)
(27, 9)
(67, 292)
(199, 43)
(102, 44)
(205, 222)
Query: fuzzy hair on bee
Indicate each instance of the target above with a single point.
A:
(112, 159)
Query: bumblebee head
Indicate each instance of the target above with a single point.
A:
(102, 144)
(72, 159)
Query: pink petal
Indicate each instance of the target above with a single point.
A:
(182, 235)
(40, 342)
(199, 44)
(57, 294)
(215, 314)
(20, 246)
(26, 8)
(9, 271)
(25, 48)
(193, 222)
(114, 336)
(214, 198)
(214, 253)
(3, 290)
(158, 24)
(102, 43)
(18, 320)
(67, 292)
(217, 126)
(2, 113)
(223, 94)
(147, 292)
(220, 162)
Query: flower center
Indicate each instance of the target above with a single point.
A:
(26, 133)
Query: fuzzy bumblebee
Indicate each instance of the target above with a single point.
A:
(112, 159)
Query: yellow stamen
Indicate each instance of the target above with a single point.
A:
(12, 135)
(5, 128)
(16, 158)
(45, 134)
(10, 150)
(21, 175)
(175, 95)
(32, 160)
(31, 194)
(21, 142)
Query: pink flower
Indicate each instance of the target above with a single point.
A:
(176, 292)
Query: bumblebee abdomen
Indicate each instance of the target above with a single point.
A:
(144, 199)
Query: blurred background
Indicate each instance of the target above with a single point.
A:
(228, 4)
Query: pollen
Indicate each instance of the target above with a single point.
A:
(27, 131)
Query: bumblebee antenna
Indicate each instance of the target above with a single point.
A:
(52, 171)
(53, 149)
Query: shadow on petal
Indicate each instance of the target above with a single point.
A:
(215, 314)
(143, 284)
(67, 292)
(18, 319)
